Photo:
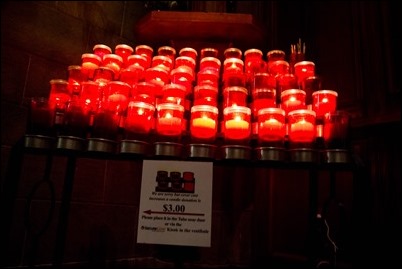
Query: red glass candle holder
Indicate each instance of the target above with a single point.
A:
(40, 117)
(209, 52)
(237, 127)
(276, 55)
(114, 62)
(285, 82)
(302, 129)
(189, 52)
(90, 96)
(132, 74)
(324, 101)
(162, 61)
(205, 95)
(210, 63)
(169, 120)
(271, 126)
(304, 69)
(263, 98)
(117, 94)
(124, 51)
(174, 94)
(101, 50)
(253, 62)
(157, 76)
(144, 92)
(139, 120)
(234, 96)
(263, 81)
(293, 99)
(203, 125)
(146, 51)
(137, 60)
(184, 76)
(89, 63)
(167, 51)
(106, 124)
(208, 77)
(233, 53)
(75, 78)
(278, 68)
(336, 130)
(76, 120)
(185, 61)
(103, 75)
(59, 95)
(310, 85)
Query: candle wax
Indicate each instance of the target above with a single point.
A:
(170, 126)
(302, 131)
(203, 128)
(271, 130)
(237, 129)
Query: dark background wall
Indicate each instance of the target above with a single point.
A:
(355, 45)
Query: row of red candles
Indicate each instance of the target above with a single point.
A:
(118, 105)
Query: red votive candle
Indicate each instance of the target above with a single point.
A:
(233, 53)
(253, 63)
(203, 123)
(117, 94)
(324, 101)
(304, 69)
(185, 61)
(75, 78)
(209, 52)
(208, 77)
(169, 119)
(302, 127)
(144, 92)
(174, 94)
(263, 98)
(90, 96)
(205, 95)
(167, 51)
(76, 119)
(41, 117)
(114, 62)
(237, 123)
(137, 60)
(59, 94)
(293, 99)
(278, 68)
(184, 76)
(124, 51)
(162, 61)
(234, 96)
(101, 49)
(271, 125)
(275, 55)
(89, 63)
(336, 130)
(145, 51)
(157, 76)
(139, 119)
(189, 52)
(131, 74)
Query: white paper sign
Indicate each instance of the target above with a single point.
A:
(176, 203)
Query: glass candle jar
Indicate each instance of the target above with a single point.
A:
(208, 77)
(237, 127)
(139, 120)
(162, 61)
(137, 60)
(157, 76)
(209, 52)
(40, 117)
(75, 78)
(253, 62)
(117, 93)
(302, 129)
(124, 51)
(103, 75)
(278, 68)
(285, 82)
(210, 63)
(89, 63)
(310, 85)
(145, 51)
(132, 74)
(106, 122)
(184, 76)
(276, 55)
(234, 96)
(185, 61)
(304, 69)
(167, 51)
(263, 98)
(324, 101)
(76, 120)
(205, 95)
(336, 130)
(101, 49)
(144, 92)
(90, 96)
(271, 126)
(169, 119)
(174, 94)
(189, 52)
(114, 62)
(203, 125)
(58, 98)
(233, 53)
(293, 99)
